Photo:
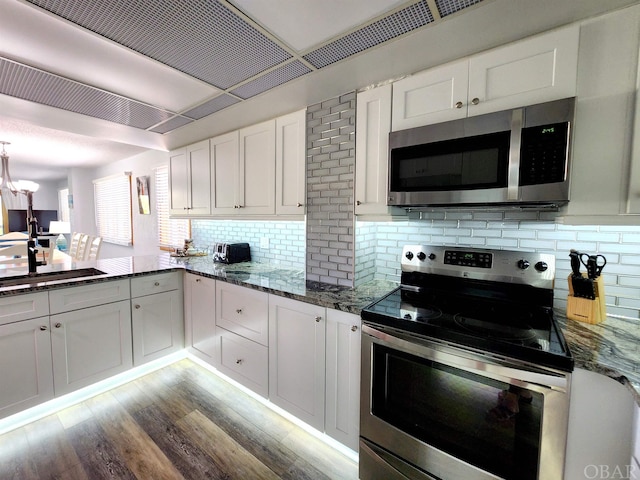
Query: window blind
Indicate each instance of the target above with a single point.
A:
(171, 232)
(113, 209)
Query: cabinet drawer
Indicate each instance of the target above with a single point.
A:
(150, 284)
(243, 311)
(14, 308)
(74, 298)
(245, 361)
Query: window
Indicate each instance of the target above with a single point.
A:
(171, 231)
(113, 209)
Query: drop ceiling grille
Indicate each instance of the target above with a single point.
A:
(447, 7)
(35, 85)
(171, 124)
(394, 25)
(214, 105)
(272, 79)
(202, 38)
(209, 40)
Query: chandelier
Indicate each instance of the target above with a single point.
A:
(9, 186)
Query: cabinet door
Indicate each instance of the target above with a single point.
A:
(535, 70)
(158, 326)
(199, 312)
(178, 182)
(243, 311)
(224, 173)
(343, 378)
(633, 205)
(256, 189)
(199, 178)
(26, 375)
(296, 358)
(435, 95)
(90, 344)
(291, 163)
(373, 122)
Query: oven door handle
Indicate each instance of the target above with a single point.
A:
(482, 364)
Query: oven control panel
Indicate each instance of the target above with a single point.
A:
(530, 268)
(468, 258)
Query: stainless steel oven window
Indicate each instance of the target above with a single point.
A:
(457, 417)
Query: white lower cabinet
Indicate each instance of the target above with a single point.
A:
(343, 378)
(297, 358)
(200, 317)
(26, 376)
(90, 344)
(157, 316)
(246, 361)
(242, 323)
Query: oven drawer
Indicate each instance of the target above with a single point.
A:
(378, 464)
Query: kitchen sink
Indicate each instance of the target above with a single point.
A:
(49, 277)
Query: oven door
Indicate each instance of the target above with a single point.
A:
(450, 413)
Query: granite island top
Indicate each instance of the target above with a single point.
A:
(611, 348)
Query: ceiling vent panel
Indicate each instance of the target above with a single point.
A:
(202, 38)
(171, 124)
(447, 7)
(272, 79)
(394, 25)
(34, 85)
(214, 105)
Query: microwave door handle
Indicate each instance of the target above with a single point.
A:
(513, 172)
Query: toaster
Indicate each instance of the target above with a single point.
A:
(231, 252)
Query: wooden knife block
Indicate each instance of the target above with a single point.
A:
(585, 309)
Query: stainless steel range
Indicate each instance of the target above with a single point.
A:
(465, 374)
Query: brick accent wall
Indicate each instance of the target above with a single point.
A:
(330, 180)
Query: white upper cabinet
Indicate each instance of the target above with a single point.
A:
(224, 152)
(605, 164)
(291, 164)
(256, 188)
(433, 96)
(633, 205)
(534, 70)
(189, 176)
(373, 124)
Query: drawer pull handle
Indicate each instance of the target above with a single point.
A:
(43, 328)
(58, 325)
(358, 202)
(239, 310)
(197, 280)
(137, 307)
(239, 361)
(318, 318)
(354, 328)
(458, 104)
(299, 204)
(475, 101)
(157, 284)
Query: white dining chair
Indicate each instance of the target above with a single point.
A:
(94, 248)
(83, 246)
(73, 244)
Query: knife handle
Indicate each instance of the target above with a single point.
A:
(574, 257)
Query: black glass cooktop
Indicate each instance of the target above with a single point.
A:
(512, 328)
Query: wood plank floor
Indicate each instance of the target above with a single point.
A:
(180, 422)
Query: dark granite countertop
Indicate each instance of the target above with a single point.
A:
(611, 348)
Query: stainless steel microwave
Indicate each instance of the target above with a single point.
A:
(513, 157)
